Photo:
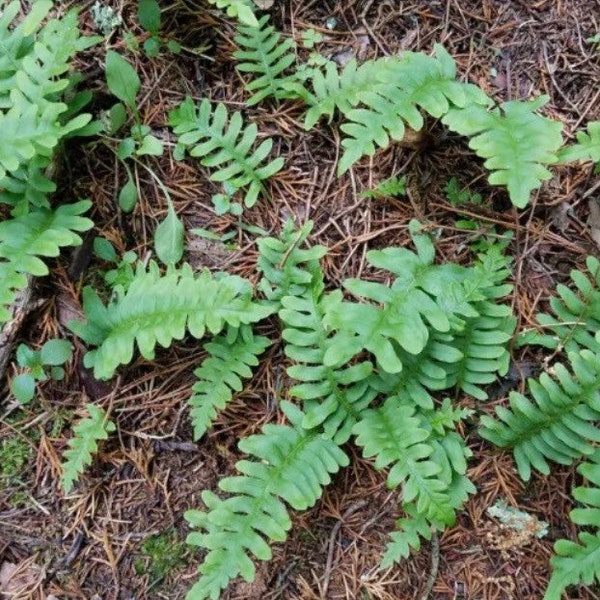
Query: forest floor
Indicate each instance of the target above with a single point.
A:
(120, 534)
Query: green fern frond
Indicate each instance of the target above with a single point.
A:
(28, 186)
(287, 268)
(156, 309)
(240, 9)
(236, 528)
(514, 140)
(576, 317)
(266, 56)
(334, 393)
(41, 233)
(557, 424)
(222, 142)
(425, 462)
(482, 340)
(391, 187)
(378, 97)
(229, 360)
(586, 148)
(423, 296)
(580, 562)
(411, 530)
(84, 444)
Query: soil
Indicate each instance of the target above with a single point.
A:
(89, 544)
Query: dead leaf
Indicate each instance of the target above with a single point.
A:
(594, 220)
(264, 4)
(560, 216)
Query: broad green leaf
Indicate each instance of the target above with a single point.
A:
(149, 15)
(117, 117)
(23, 387)
(168, 239)
(150, 145)
(121, 78)
(56, 352)
(128, 196)
(104, 249)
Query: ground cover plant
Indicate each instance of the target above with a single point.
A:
(367, 358)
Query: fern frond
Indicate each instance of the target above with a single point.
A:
(84, 444)
(287, 268)
(580, 562)
(41, 233)
(425, 462)
(240, 9)
(222, 142)
(334, 394)
(236, 528)
(28, 186)
(576, 317)
(482, 340)
(587, 146)
(158, 308)
(229, 360)
(423, 296)
(266, 56)
(411, 530)
(557, 424)
(514, 140)
(378, 97)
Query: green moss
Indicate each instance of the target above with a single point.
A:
(15, 452)
(162, 554)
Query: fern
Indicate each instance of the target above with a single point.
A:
(219, 140)
(411, 530)
(423, 295)
(24, 239)
(159, 308)
(482, 340)
(235, 528)
(586, 148)
(580, 563)
(558, 424)
(515, 141)
(241, 9)
(576, 316)
(266, 56)
(84, 444)
(229, 360)
(391, 91)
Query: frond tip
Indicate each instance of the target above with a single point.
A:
(292, 465)
(515, 142)
(221, 142)
(84, 444)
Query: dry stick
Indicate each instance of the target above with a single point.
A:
(332, 538)
(435, 565)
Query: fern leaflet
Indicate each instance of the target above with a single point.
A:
(229, 360)
(515, 142)
(241, 9)
(84, 444)
(222, 142)
(235, 528)
(586, 148)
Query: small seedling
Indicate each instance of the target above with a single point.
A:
(391, 187)
(310, 38)
(39, 365)
(457, 195)
(150, 19)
